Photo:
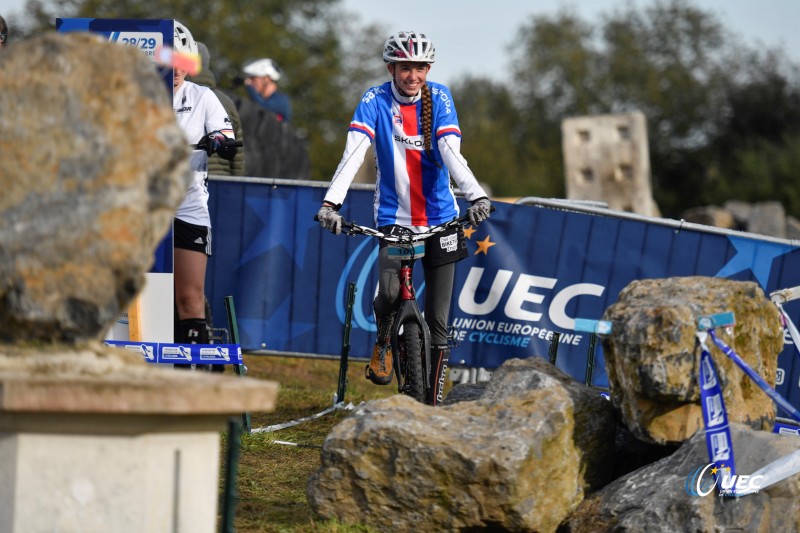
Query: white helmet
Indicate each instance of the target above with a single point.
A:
(408, 46)
(184, 42)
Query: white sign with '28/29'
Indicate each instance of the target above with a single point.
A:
(147, 42)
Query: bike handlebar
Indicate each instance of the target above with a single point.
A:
(353, 228)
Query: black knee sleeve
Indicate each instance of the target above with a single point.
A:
(192, 331)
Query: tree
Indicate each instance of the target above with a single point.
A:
(678, 65)
(488, 120)
(757, 153)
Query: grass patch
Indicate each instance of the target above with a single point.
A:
(272, 477)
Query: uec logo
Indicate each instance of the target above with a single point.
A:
(700, 484)
(522, 303)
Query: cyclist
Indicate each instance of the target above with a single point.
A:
(417, 145)
(202, 118)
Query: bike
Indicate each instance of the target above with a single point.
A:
(410, 337)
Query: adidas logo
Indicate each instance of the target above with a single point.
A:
(198, 240)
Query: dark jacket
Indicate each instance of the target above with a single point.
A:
(275, 149)
(217, 165)
(277, 102)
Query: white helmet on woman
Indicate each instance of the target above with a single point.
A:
(184, 42)
(408, 46)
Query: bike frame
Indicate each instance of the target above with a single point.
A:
(408, 310)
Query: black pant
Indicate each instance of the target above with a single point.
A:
(438, 292)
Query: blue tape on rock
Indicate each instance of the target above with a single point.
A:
(719, 320)
(718, 434)
(601, 327)
(199, 354)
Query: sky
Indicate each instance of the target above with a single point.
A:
(472, 36)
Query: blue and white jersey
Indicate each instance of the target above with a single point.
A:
(198, 112)
(412, 188)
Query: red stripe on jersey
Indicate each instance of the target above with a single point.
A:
(362, 129)
(450, 129)
(414, 167)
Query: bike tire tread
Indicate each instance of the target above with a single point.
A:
(413, 383)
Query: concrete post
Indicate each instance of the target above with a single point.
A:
(134, 451)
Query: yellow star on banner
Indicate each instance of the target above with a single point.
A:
(714, 470)
(484, 245)
(468, 231)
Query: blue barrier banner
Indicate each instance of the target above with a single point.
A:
(532, 270)
(200, 354)
(786, 428)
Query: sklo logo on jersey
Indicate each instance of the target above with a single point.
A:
(704, 479)
(414, 142)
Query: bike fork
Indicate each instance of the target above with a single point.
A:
(408, 311)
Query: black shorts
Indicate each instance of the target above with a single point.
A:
(442, 248)
(446, 247)
(192, 237)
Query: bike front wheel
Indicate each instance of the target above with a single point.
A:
(411, 377)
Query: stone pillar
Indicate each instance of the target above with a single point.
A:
(607, 159)
(134, 451)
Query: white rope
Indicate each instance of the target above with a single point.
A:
(277, 427)
(793, 333)
(779, 469)
(287, 443)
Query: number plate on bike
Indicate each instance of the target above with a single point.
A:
(406, 251)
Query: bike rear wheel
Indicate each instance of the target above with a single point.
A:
(412, 379)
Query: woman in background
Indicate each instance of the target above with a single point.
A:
(204, 121)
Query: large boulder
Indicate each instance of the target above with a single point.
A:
(520, 458)
(94, 165)
(655, 498)
(652, 356)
